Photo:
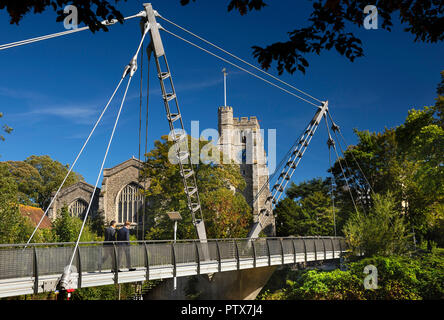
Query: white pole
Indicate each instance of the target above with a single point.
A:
(175, 231)
(225, 86)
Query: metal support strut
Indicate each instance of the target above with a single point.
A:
(289, 169)
(174, 117)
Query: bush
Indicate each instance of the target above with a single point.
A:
(67, 228)
(399, 278)
(319, 285)
(381, 231)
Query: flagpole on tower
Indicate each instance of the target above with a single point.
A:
(225, 86)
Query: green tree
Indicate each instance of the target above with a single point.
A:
(439, 105)
(226, 213)
(329, 27)
(13, 224)
(38, 177)
(380, 231)
(289, 218)
(67, 228)
(15, 227)
(406, 161)
(28, 181)
(399, 278)
(307, 210)
(97, 223)
(5, 129)
(329, 24)
(52, 174)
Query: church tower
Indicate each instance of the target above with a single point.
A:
(240, 141)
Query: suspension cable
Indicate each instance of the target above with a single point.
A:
(353, 156)
(342, 170)
(347, 168)
(140, 132)
(329, 143)
(149, 51)
(63, 33)
(99, 175)
(239, 67)
(269, 179)
(75, 161)
(336, 126)
(261, 217)
(332, 191)
(240, 59)
(129, 70)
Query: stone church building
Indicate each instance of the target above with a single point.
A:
(119, 198)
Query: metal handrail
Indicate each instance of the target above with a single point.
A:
(9, 245)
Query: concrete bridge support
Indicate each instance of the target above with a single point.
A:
(230, 285)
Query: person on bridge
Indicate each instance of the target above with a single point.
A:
(123, 238)
(110, 238)
(110, 233)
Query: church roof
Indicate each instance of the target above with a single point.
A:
(128, 163)
(35, 214)
(81, 184)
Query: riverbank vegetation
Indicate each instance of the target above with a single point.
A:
(415, 277)
(386, 196)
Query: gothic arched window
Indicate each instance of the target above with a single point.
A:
(129, 203)
(78, 208)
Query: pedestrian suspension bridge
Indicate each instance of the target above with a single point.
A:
(38, 267)
(34, 268)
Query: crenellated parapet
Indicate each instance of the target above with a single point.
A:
(246, 121)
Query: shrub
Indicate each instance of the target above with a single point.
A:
(399, 278)
(381, 231)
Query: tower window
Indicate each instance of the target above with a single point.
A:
(130, 202)
(244, 156)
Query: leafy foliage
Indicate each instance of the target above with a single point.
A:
(31, 182)
(15, 227)
(329, 22)
(243, 6)
(89, 12)
(328, 26)
(37, 177)
(5, 128)
(395, 178)
(100, 293)
(226, 213)
(405, 161)
(67, 228)
(381, 231)
(399, 278)
(307, 210)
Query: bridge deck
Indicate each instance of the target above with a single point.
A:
(38, 268)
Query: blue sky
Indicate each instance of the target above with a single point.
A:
(52, 92)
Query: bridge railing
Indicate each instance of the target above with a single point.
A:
(40, 260)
